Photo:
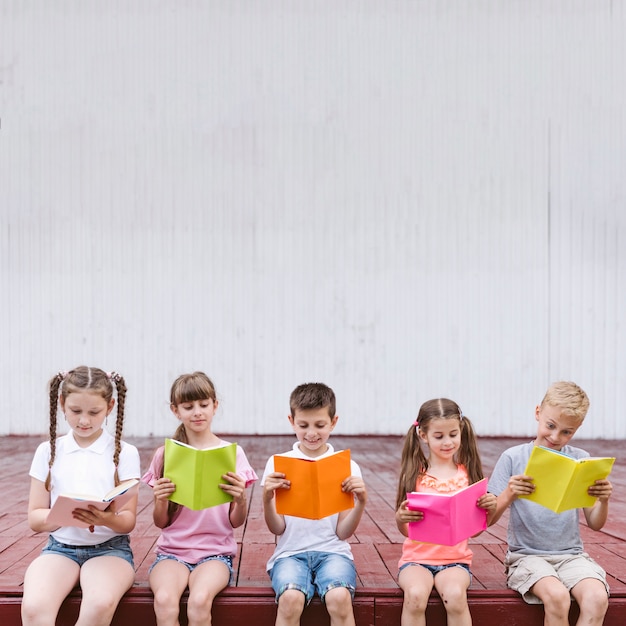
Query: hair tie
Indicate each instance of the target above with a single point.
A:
(416, 423)
(62, 375)
(114, 376)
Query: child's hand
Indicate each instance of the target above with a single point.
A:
(355, 486)
(404, 515)
(601, 489)
(91, 516)
(488, 502)
(521, 485)
(274, 481)
(235, 487)
(163, 489)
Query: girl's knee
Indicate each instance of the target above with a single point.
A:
(454, 598)
(166, 604)
(415, 599)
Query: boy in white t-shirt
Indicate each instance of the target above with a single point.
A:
(312, 555)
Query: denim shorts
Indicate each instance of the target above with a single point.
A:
(435, 569)
(224, 558)
(309, 572)
(116, 546)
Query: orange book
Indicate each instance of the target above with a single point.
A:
(315, 485)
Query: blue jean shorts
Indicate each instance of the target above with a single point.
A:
(224, 558)
(309, 572)
(435, 569)
(116, 546)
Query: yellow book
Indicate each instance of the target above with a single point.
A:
(561, 482)
(197, 474)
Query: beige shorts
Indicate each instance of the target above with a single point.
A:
(524, 570)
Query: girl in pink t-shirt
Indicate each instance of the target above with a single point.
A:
(453, 462)
(196, 548)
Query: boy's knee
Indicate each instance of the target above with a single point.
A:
(338, 602)
(291, 602)
(594, 601)
(554, 595)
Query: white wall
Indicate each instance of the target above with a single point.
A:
(402, 199)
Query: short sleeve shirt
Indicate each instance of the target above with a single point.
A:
(84, 470)
(534, 529)
(306, 535)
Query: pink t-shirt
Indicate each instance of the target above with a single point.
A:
(193, 535)
(430, 553)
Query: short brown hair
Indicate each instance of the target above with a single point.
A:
(312, 396)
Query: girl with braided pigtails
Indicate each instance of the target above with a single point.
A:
(86, 460)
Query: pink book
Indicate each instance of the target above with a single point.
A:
(61, 512)
(449, 518)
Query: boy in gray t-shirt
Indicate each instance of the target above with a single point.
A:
(545, 561)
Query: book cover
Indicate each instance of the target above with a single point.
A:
(315, 485)
(61, 511)
(197, 474)
(561, 482)
(448, 517)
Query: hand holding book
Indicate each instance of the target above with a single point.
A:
(63, 513)
(560, 482)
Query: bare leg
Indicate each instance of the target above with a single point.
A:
(48, 581)
(556, 600)
(417, 583)
(103, 580)
(205, 582)
(452, 584)
(339, 606)
(290, 607)
(593, 601)
(168, 580)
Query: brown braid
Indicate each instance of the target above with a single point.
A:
(54, 384)
(120, 384)
(91, 379)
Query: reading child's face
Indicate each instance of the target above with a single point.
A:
(312, 428)
(196, 415)
(555, 428)
(85, 412)
(443, 437)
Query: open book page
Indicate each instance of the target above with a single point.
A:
(449, 518)
(61, 511)
(561, 482)
(315, 490)
(197, 474)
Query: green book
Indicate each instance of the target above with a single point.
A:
(561, 482)
(197, 474)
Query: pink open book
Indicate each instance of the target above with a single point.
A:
(448, 517)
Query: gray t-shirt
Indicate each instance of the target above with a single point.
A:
(534, 529)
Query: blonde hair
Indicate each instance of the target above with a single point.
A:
(569, 397)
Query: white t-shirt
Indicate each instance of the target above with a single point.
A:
(307, 535)
(84, 470)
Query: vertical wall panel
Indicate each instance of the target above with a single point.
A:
(403, 199)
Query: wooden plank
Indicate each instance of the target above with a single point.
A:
(376, 544)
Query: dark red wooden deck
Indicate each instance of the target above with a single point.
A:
(376, 545)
